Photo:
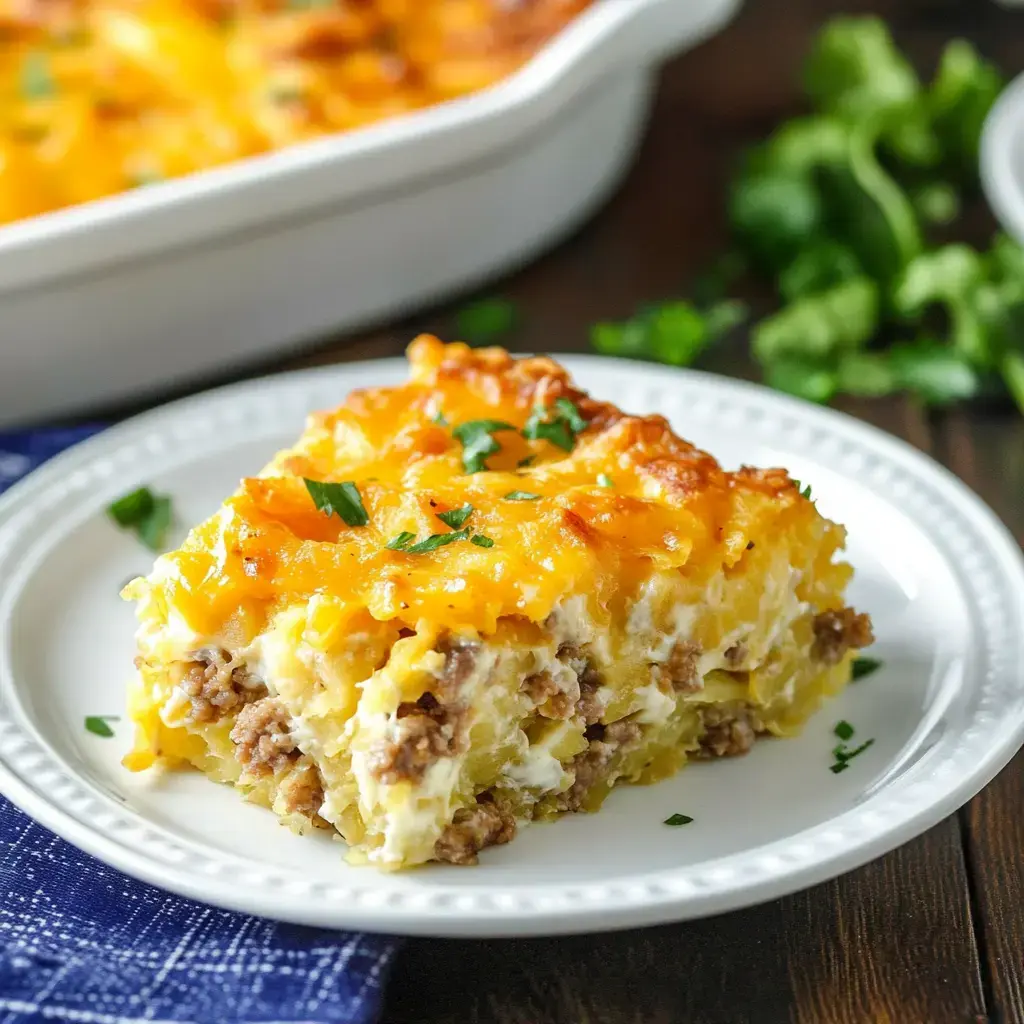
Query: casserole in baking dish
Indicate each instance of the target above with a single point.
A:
(166, 284)
(106, 95)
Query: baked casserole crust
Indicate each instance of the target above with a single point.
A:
(527, 597)
(101, 96)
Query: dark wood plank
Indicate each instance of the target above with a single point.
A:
(987, 451)
(890, 942)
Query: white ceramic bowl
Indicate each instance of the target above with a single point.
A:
(165, 284)
(1002, 159)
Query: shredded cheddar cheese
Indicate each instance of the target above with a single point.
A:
(100, 96)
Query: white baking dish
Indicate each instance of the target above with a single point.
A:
(130, 295)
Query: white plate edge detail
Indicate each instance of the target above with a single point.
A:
(967, 532)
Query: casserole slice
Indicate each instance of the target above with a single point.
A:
(478, 599)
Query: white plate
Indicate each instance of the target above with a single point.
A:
(941, 577)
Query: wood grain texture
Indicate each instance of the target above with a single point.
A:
(986, 450)
(891, 942)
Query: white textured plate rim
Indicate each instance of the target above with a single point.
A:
(887, 818)
(520, 98)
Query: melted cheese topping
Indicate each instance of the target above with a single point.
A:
(99, 96)
(672, 508)
(677, 555)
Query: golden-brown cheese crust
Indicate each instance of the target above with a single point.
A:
(100, 96)
(671, 506)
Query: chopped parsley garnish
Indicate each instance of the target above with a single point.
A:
(148, 514)
(456, 517)
(485, 321)
(525, 461)
(153, 528)
(132, 508)
(97, 725)
(439, 418)
(521, 496)
(559, 425)
(341, 498)
(36, 78)
(435, 541)
(842, 753)
(863, 667)
(843, 730)
(678, 819)
(481, 541)
(571, 415)
(605, 480)
(806, 492)
(478, 442)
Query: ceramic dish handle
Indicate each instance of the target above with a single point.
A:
(636, 31)
(1002, 159)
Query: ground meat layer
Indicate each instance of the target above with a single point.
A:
(303, 792)
(589, 704)
(215, 688)
(425, 731)
(836, 632)
(460, 658)
(730, 730)
(473, 829)
(261, 737)
(552, 698)
(680, 672)
(592, 764)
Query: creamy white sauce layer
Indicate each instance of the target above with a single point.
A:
(417, 820)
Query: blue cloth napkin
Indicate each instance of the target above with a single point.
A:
(81, 942)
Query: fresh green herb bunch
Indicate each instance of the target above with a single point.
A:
(835, 209)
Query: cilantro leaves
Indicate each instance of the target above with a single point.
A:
(341, 498)
(456, 517)
(842, 753)
(559, 425)
(149, 515)
(437, 540)
(676, 820)
(99, 725)
(486, 321)
(863, 667)
(844, 730)
(477, 439)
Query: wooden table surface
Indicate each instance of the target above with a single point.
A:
(929, 934)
